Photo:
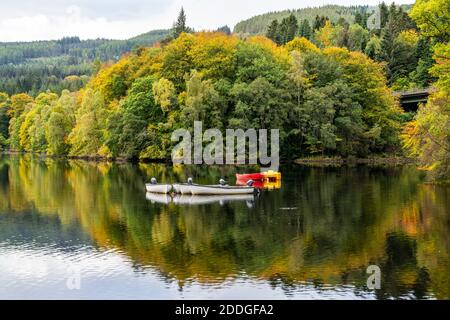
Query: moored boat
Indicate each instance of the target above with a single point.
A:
(155, 187)
(268, 176)
(158, 188)
(220, 189)
(250, 176)
(197, 189)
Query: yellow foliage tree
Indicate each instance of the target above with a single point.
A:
(301, 45)
(325, 35)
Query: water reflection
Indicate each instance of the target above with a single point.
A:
(199, 200)
(315, 236)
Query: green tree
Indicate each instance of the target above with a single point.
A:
(225, 29)
(253, 61)
(305, 29)
(373, 48)
(433, 18)
(202, 103)
(4, 118)
(180, 25)
(359, 19)
(60, 123)
(273, 32)
(357, 38)
(128, 126)
(384, 14)
(292, 28)
(428, 135)
(423, 54)
(87, 137)
(260, 105)
(319, 22)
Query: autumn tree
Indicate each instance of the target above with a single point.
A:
(87, 137)
(60, 123)
(433, 18)
(428, 135)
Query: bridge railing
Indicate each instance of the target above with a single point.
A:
(415, 91)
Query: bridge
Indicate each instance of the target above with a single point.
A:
(410, 99)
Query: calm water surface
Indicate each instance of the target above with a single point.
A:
(313, 238)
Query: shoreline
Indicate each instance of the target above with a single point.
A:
(307, 161)
(340, 161)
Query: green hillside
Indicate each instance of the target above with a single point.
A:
(33, 67)
(258, 24)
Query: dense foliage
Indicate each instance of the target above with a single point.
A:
(428, 136)
(324, 101)
(34, 67)
(396, 42)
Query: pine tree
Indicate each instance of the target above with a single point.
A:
(292, 27)
(384, 14)
(225, 29)
(305, 29)
(180, 25)
(283, 31)
(317, 23)
(272, 31)
(388, 36)
(359, 19)
(423, 54)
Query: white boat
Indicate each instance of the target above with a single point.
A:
(158, 188)
(219, 189)
(197, 189)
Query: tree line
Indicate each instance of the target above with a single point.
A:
(258, 25)
(325, 101)
(34, 67)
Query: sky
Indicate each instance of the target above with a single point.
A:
(28, 20)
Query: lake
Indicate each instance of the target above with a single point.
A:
(85, 230)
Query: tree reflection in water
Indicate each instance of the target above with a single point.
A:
(340, 220)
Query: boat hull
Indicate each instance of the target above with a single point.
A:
(182, 188)
(196, 189)
(250, 176)
(158, 188)
(220, 190)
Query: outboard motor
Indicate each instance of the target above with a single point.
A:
(190, 181)
(222, 182)
(153, 181)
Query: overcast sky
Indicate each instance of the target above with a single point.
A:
(26, 20)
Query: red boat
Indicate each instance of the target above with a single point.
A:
(250, 176)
